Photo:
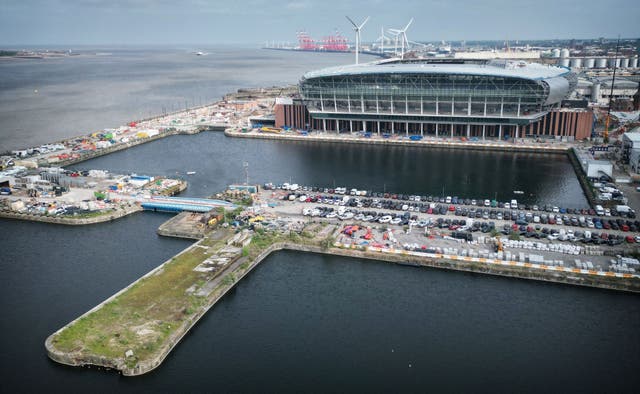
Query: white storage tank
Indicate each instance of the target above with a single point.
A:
(601, 63)
(555, 53)
(589, 63)
(576, 62)
(624, 62)
(613, 62)
(564, 62)
(595, 92)
(634, 62)
(564, 53)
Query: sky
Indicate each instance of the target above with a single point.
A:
(252, 22)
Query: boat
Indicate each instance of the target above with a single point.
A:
(518, 192)
(190, 172)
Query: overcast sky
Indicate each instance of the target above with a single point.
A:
(174, 22)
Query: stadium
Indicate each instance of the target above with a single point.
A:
(485, 99)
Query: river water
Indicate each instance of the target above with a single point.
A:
(304, 322)
(47, 100)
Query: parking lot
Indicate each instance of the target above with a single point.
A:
(574, 237)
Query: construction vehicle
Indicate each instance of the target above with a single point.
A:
(275, 130)
(498, 245)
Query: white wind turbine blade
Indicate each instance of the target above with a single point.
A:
(355, 27)
(408, 24)
(363, 23)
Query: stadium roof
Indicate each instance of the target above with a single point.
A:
(515, 69)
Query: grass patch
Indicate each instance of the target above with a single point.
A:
(87, 215)
(141, 318)
(147, 313)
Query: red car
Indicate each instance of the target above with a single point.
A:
(624, 227)
(630, 239)
(452, 208)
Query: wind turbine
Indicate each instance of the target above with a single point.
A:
(403, 34)
(382, 39)
(357, 29)
(395, 42)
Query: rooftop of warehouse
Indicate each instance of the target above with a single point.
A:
(633, 135)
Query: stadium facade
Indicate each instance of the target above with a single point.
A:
(490, 99)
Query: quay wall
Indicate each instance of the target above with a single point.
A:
(484, 146)
(479, 268)
(76, 360)
(131, 144)
(106, 217)
(172, 228)
(582, 178)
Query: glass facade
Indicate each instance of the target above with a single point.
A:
(425, 94)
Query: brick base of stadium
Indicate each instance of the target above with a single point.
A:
(561, 123)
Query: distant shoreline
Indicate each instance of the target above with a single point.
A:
(7, 54)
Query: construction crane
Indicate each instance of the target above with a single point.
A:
(613, 82)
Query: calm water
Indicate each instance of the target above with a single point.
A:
(300, 322)
(305, 322)
(218, 161)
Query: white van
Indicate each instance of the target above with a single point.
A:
(514, 204)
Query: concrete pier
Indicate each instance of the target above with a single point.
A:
(183, 225)
(144, 332)
(426, 143)
(70, 220)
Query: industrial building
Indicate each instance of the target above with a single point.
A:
(592, 61)
(630, 153)
(490, 99)
(598, 89)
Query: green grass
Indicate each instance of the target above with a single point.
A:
(146, 314)
(142, 317)
(87, 215)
